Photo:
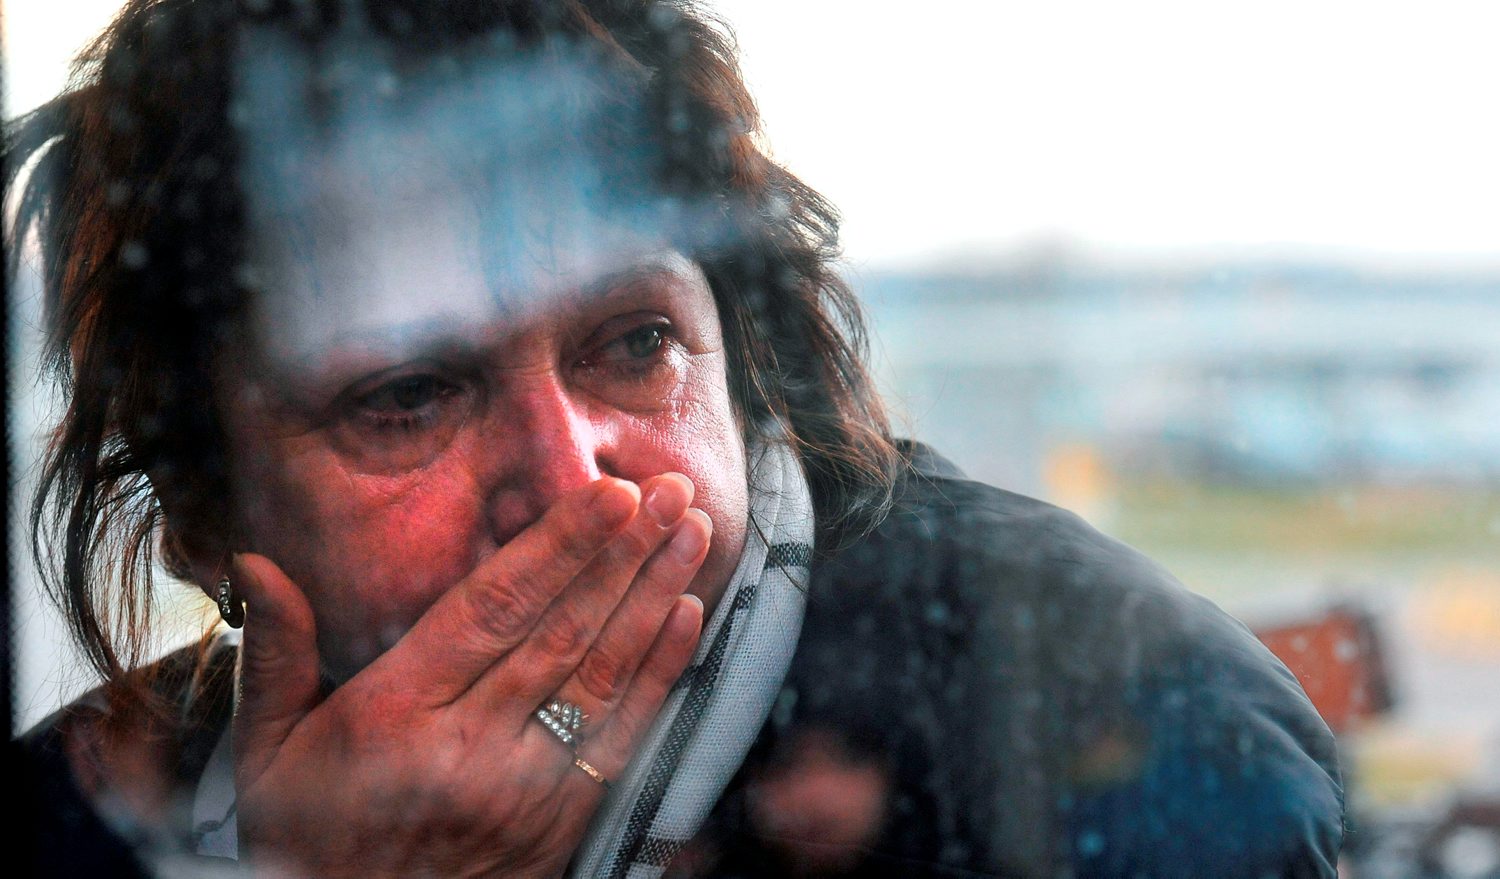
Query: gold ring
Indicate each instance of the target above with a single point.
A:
(593, 773)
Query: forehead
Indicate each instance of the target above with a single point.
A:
(382, 193)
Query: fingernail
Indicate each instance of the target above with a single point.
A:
(688, 543)
(612, 507)
(666, 502)
(683, 622)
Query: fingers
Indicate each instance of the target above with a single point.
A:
(571, 628)
(606, 669)
(614, 742)
(493, 609)
(279, 661)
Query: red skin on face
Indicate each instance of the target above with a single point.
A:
(379, 474)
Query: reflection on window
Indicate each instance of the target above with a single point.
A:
(363, 301)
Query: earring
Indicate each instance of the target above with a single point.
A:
(230, 606)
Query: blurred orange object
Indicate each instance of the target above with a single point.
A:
(1338, 659)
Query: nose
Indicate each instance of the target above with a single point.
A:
(541, 444)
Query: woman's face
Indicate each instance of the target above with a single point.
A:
(380, 465)
(465, 311)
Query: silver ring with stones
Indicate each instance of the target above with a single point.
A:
(557, 727)
(569, 714)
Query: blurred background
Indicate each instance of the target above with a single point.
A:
(1224, 280)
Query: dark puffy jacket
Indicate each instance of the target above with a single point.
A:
(990, 686)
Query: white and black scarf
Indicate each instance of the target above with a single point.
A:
(710, 719)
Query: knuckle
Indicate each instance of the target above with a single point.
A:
(575, 543)
(633, 545)
(562, 634)
(501, 613)
(599, 675)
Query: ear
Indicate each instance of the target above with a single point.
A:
(197, 535)
(194, 559)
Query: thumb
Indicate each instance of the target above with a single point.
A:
(278, 664)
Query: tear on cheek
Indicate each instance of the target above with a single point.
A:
(704, 381)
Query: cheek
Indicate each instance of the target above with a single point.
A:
(370, 552)
(701, 438)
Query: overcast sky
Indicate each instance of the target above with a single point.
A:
(1346, 129)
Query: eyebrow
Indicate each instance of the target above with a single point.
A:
(621, 281)
(429, 336)
(449, 335)
(341, 353)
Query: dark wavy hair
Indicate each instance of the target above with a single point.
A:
(133, 197)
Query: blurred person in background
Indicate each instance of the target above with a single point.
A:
(475, 359)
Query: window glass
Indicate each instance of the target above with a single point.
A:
(1223, 283)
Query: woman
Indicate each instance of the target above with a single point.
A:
(473, 356)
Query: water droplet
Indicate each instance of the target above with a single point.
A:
(1090, 843)
(134, 255)
(937, 613)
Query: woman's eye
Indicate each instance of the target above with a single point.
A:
(637, 369)
(404, 422)
(643, 342)
(405, 395)
(634, 349)
(407, 404)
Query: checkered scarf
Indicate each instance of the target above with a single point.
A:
(712, 717)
